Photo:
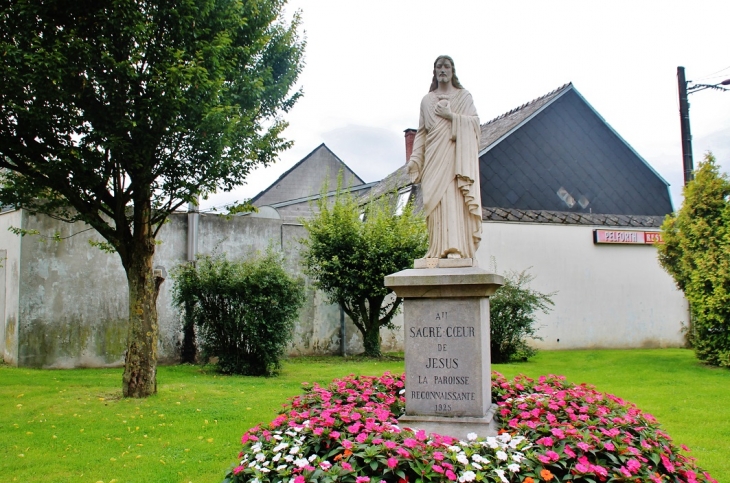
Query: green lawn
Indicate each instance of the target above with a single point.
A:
(72, 426)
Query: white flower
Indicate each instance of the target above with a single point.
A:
(252, 464)
(312, 458)
(478, 458)
(278, 437)
(500, 473)
(280, 467)
(301, 462)
(325, 465)
(291, 433)
(492, 442)
(461, 458)
(256, 448)
(505, 437)
(288, 458)
(455, 449)
(402, 391)
(299, 429)
(467, 476)
(471, 436)
(260, 457)
(280, 447)
(276, 457)
(477, 466)
(265, 470)
(514, 468)
(517, 457)
(294, 450)
(502, 455)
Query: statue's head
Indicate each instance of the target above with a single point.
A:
(454, 80)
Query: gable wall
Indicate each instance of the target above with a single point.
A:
(308, 177)
(567, 145)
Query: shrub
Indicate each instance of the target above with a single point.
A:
(512, 317)
(550, 431)
(696, 253)
(243, 310)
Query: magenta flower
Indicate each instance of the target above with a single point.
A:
(390, 444)
(347, 444)
(345, 466)
(546, 441)
(299, 479)
(410, 443)
(450, 475)
(362, 479)
(392, 462)
(238, 469)
(437, 469)
(438, 455)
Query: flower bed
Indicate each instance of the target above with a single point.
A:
(550, 431)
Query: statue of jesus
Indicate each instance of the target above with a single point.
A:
(445, 160)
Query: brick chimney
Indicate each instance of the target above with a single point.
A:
(410, 136)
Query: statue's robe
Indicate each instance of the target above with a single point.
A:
(445, 160)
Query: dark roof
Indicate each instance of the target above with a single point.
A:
(503, 125)
(304, 159)
(568, 218)
(557, 153)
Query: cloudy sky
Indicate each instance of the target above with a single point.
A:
(368, 63)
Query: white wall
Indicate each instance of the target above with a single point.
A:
(608, 296)
(11, 271)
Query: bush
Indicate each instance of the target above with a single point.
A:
(550, 431)
(512, 317)
(243, 310)
(696, 253)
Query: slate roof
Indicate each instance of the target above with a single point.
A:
(568, 218)
(557, 153)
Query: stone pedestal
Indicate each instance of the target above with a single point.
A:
(448, 368)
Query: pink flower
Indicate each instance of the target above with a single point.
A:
(609, 446)
(410, 443)
(569, 451)
(667, 464)
(438, 455)
(558, 433)
(437, 469)
(625, 472)
(345, 466)
(421, 435)
(362, 479)
(238, 469)
(347, 444)
(633, 465)
(546, 441)
(549, 457)
(334, 434)
(584, 446)
(299, 479)
(318, 431)
(390, 444)
(450, 475)
(580, 467)
(403, 453)
(392, 462)
(361, 437)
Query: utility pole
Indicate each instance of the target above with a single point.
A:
(688, 162)
(684, 91)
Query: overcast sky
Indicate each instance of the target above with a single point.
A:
(368, 63)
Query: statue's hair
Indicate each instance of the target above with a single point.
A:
(454, 80)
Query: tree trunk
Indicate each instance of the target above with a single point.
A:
(371, 341)
(140, 365)
(189, 349)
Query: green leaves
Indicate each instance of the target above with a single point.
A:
(696, 253)
(512, 317)
(244, 310)
(348, 258)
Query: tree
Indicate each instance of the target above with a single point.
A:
(696, 253)
(349, 258)
(117, 112)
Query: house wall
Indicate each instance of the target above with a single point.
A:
(67, 305)
(9, 282)
(607, 296)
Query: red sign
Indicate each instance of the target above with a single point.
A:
(626, 237)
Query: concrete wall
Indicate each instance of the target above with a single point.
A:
(9, 279)
(608, 296)
(66, 302)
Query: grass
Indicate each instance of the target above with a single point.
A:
(73, 426)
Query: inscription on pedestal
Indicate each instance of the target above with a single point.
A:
(443, 347)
